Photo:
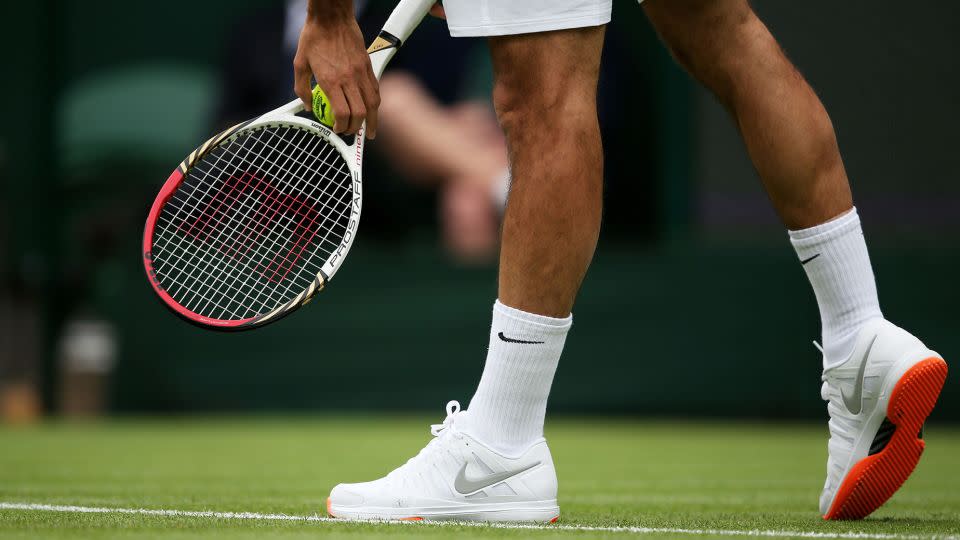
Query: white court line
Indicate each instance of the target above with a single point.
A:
(509, 526)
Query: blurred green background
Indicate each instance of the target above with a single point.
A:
(695, 304)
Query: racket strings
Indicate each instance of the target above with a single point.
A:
(273, 232)
(311, 272)
(252, 223)
(208, 274)
(328, 207)
(211, 276)
(215, 243)
(269, 161)
(258, 228)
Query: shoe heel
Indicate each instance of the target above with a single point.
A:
(916, 393)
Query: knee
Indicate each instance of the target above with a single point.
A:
(517, 102)
(549, 81)
(543, 101)
(696, 30)
(711, 40)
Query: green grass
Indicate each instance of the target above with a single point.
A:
(612, 473)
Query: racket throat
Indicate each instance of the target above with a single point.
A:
(381, 51)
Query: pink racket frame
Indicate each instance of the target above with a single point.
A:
(283, 116)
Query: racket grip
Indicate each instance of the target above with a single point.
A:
(406, 16)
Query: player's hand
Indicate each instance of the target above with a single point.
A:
(331, 50)
(437, 11)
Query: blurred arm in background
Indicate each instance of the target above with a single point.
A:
(458, 148)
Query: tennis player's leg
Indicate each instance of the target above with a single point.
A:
(491, 461)
(545, 97)
(880, 381)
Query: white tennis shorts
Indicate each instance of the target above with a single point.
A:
(507, 17)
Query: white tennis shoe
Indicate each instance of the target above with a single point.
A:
(455, 477)
(878, 401)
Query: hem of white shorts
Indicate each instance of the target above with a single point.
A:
(530, 27)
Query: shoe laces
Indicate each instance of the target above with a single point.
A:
(453, 408)
(439, 432)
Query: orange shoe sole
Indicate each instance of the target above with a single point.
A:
(874, 479)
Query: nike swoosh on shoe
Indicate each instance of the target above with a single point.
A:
(854, 403)
(465, 485)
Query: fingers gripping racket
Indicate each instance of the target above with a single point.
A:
(258, 219)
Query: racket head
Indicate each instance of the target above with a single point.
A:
(255, 221)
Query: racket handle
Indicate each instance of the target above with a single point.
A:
(406, 16)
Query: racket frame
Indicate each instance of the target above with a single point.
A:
(285, 116)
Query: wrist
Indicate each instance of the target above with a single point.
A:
(330, 11)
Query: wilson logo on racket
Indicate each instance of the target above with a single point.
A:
(265, 204)
(256, 220)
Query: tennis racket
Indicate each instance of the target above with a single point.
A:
(259, 218)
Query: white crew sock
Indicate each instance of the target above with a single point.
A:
(508, 409)
(834, 255)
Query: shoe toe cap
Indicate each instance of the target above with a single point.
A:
(347, 495)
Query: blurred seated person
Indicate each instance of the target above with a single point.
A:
(431, 132)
